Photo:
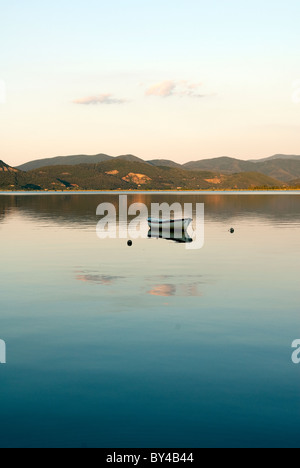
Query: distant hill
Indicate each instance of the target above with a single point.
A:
(6, 168)
(165, 162)
(249, 180)
(278, 156)
(295, 183)
(129, 174)
(102, 171)
(224, 164)
(64, 160)
(285, 170)
(131, 158)
(282, 167)
(8, 177)
(74, 160)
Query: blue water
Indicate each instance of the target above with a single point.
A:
(153, 345)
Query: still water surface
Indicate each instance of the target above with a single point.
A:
(154, 345)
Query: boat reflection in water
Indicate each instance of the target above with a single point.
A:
(183, 239)
(174, 230)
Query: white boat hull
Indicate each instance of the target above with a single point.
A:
(171, 225)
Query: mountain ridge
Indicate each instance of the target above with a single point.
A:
(6, 168)
(269, 166)
(130, 174)
(277, 156)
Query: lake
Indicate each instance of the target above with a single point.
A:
(154, 345)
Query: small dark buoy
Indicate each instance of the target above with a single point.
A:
(231, 231)
(129, 243)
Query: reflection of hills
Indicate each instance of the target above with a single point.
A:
(6, 207)
(81, 209)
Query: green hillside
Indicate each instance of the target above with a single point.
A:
(165, 162)
(129, 174)
(249, 180)
(6, 168)
(116, 174)
(295, 183)
(64, 161)
(279, 156)
(284, 168)
(74, 160)
(224, 165)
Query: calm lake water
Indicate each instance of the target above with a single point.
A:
(153, 345)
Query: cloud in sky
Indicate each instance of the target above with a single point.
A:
(163, 89)
(175, 88)
(100, 99)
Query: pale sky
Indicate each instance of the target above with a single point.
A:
(182, 80)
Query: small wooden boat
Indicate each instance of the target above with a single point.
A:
(170, 225)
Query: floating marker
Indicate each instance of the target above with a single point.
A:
(129, 243)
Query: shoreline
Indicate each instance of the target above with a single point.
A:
(151, 192)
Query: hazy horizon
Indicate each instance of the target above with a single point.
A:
(160, 80)
(139, 156)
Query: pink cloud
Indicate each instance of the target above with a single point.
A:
(194, 85)
(100, 99)
(175, 88)
(163, 89)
